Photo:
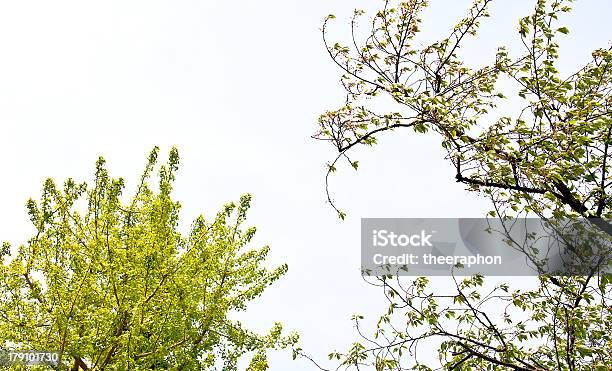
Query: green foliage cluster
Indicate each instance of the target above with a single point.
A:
(552, 157)
(111, 283)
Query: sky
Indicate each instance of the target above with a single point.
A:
(237, 88)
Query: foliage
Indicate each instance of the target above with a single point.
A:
(113, 284)
(551, 159)
(560, 326)
(553, 156)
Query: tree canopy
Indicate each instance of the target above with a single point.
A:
(110, 282)
(550, 159)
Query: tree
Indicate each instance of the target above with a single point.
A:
(551, 159)
(110, 282)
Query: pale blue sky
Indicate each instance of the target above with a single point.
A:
(237, 87)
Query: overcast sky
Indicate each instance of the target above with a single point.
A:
(237, 86)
